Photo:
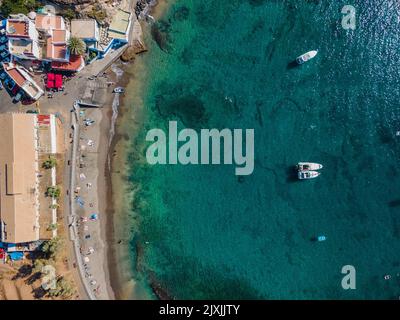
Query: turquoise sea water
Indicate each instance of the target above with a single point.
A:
(205, 233)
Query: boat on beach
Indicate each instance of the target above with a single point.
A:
(305, 175)
(304, 166)
(306, 56)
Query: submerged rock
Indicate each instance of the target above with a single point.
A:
(160, 34)
(188, 108)
(181, 13)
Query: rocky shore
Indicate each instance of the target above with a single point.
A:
(143, 8)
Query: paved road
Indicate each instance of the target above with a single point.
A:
(72, 213)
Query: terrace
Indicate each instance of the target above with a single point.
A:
(22, 79)
(17, 28)
(48, 22)
(20, 46)
(119, 27)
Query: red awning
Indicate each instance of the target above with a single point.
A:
(50, 84)
(50, 76)
(43, 119)
(59, 81)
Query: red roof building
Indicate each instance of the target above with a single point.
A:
(75, 64)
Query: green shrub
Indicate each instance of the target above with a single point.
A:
(51, 162)
(53, 192)
(63, 289)
(51, 247)
(69, 14)
(18, 6)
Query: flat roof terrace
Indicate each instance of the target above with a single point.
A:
(84, 28)
(18, 162)
(17, 28)
(48, 22)
(118, 28)
(20, 46)
(59, 36)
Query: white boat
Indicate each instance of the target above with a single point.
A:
(304, 175)
(306, 56)
(305, 166)
(119, 90)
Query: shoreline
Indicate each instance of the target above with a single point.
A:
(119, 199)
(107, 135)
(103, 185)
(120, 193)
(113, 138)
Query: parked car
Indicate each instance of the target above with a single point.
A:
(3, 39)
(4, 54)
(3, 47)
(18, 97)
(3, 75)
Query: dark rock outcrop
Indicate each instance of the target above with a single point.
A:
(130, 52)
(72, 2)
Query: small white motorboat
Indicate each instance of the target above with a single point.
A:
(119, 90)
(306, 56)
(305, 166)
(304, 175)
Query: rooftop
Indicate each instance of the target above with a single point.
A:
(119, 26)
(84, 28)
(20, 46)
(23, 80)
(75, 63)
(59, 36)
(56, 51)
(17, 28)
(56, 47)
(49, 22)
(18, 202)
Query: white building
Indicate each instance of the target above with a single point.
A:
(23, 80)
(22, 37)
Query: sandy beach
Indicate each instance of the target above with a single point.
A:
(119, 198)
(129, 121)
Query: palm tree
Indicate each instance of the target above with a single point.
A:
(76, 46)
